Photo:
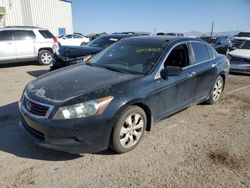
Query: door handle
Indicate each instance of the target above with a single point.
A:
(214, 64)
(191, 74)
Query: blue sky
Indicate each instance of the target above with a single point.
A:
(93, 16)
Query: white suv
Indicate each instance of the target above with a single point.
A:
(26, 44)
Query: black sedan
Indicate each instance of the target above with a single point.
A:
(70, 55)
(222, 44)
(121, 93)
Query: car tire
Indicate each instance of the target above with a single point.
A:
(217, 91)
(44, 57)
(128, 130)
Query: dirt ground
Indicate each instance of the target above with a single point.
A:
(202, 146)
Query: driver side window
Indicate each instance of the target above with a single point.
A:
(178, 57)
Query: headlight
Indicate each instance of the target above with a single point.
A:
(81, 59)
(85, 109)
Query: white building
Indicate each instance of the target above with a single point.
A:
(55, 15)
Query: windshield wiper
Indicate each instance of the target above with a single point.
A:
(88, 63)
(115, 69)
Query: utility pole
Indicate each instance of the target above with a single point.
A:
(212, 29)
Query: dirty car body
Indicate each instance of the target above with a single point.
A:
(70, 55)
(126, 73)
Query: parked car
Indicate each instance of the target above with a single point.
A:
(135, 33)
(240, 38)
(240, 59)
(70, 55)
(175, 34)
(73, 40)
(121, 93)
(222, 44)
(26, 44)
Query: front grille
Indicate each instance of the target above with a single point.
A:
(35, 108)
(237, 43)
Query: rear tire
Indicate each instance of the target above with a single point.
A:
(129, 129)
(217, 91)
(44, 57)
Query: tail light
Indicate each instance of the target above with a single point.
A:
(55, 40)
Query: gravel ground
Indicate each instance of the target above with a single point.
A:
(202, 146)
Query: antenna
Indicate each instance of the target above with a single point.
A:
(212, 29)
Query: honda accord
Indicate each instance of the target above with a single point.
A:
(119, 94)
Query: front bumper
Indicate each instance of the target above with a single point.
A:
(240, 67)
(88, 135)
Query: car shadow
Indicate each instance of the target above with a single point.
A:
(37, 73)
(18, 64)
(15, 141)
(239, 74)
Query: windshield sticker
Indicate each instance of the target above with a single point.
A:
(146, 50)
(113, 39)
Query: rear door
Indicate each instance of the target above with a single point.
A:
(205, 67)
(24, 41)
(7, 47)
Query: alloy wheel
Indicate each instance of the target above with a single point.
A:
(131, 130)
(46, 58)
(218, 87)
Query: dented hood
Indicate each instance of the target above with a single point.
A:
(77, 51)
(65, 84)
(241, 53)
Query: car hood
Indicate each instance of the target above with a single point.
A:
(242, 53)
(77, 51)
(66, 84)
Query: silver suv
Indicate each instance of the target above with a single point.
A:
(26, 44)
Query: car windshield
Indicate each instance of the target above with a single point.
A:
(129, 57)
(102, 42)
(243, 34)
(246, 45)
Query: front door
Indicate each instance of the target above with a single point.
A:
(7, 47)
(176, 92)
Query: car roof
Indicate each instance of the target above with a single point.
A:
(161, 39)
(118, 36)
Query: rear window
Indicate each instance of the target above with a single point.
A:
(5, 35)
(246, 45)
(24, 35)
(200, 52)
(46, 34)
(210, 52)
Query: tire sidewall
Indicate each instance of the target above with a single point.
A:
(116, 131)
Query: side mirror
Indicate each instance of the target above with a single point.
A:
(170, 71)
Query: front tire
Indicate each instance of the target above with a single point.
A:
(129, 129)
(217, 91)
(45, 57)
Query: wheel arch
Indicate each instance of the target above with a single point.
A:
(144, 107)
(45, 48)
